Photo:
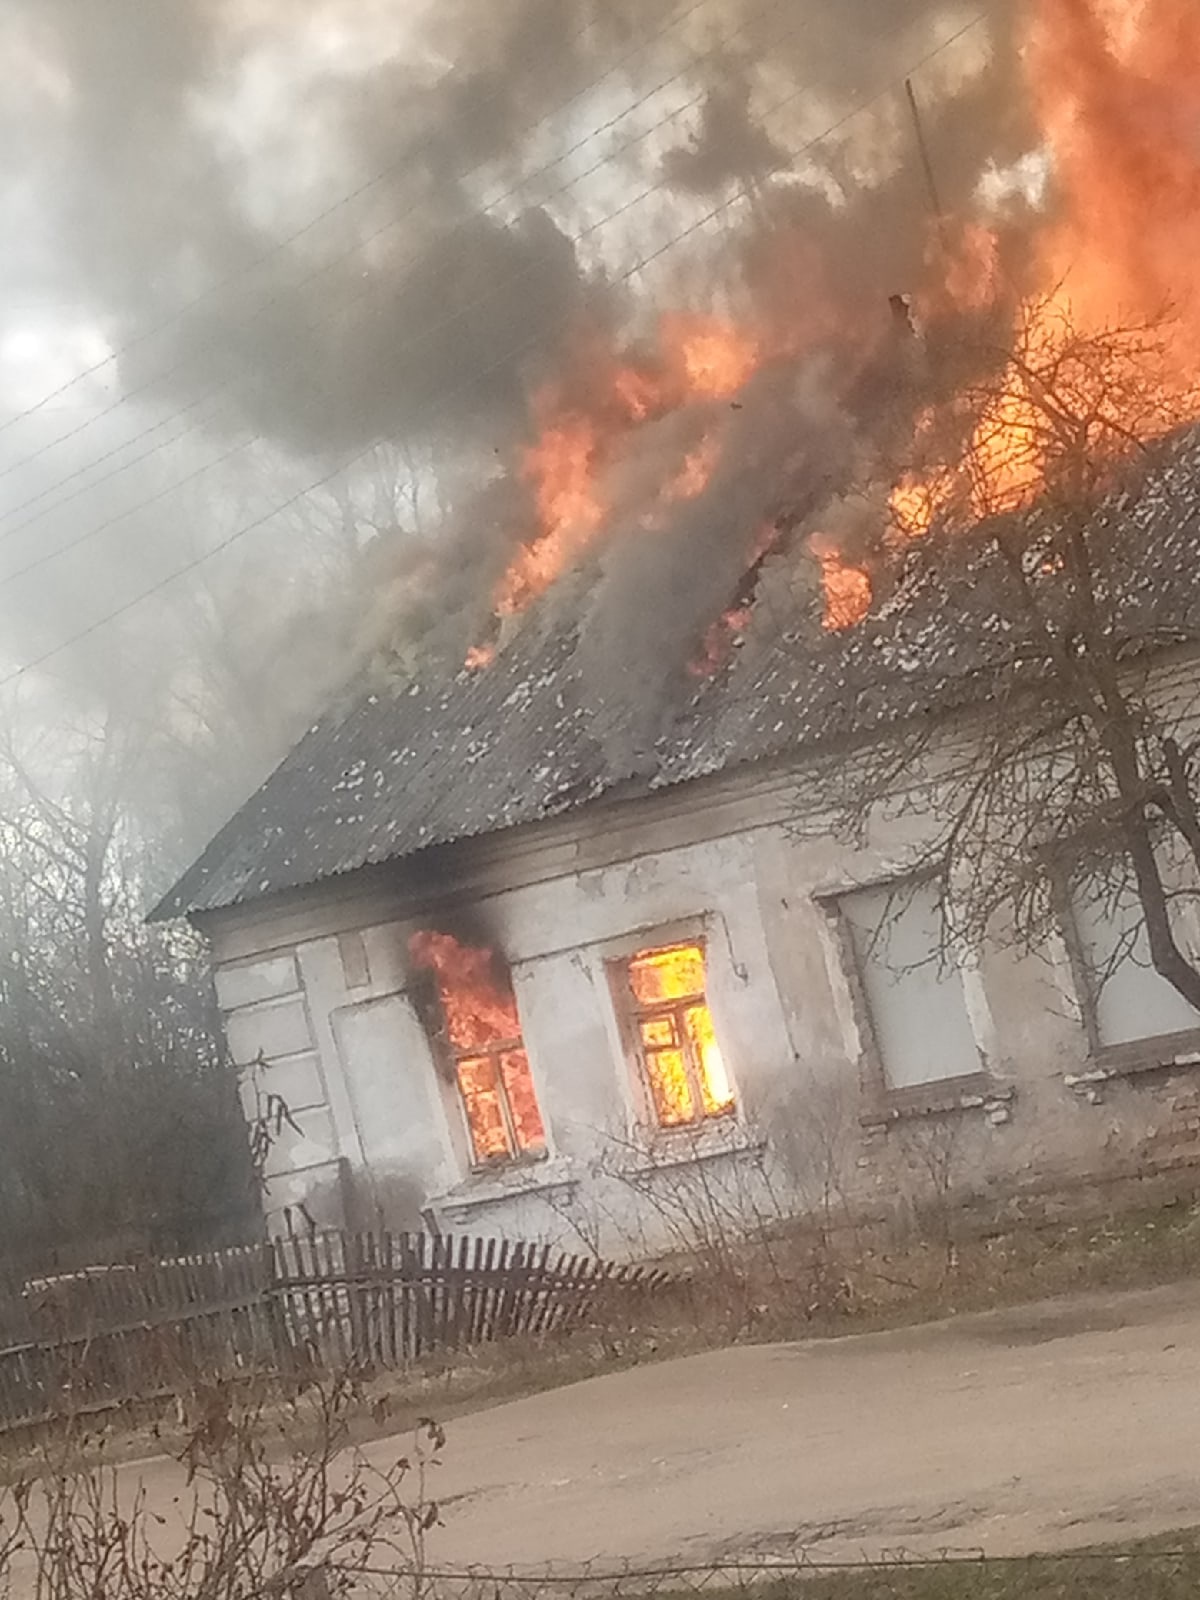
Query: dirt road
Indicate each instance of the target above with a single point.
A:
(1054, 1426)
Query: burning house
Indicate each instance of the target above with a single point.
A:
(502, 981)
(652, 886)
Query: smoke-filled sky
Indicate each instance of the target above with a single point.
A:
(247, 244)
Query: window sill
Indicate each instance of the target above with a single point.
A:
(979, 1092)
(668, 1149)
(1172, 1052)
(515, 1182)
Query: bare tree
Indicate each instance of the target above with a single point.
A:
(1037, 526)
(278, 1503)
(119, 1109)
(122, 1126)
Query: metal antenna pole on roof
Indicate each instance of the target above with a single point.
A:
(935, 203)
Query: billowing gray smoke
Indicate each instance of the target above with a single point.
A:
(783, 450)
(415, 306)
(388, 222)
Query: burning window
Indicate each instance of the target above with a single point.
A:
(495, 1084)
(674, 1033)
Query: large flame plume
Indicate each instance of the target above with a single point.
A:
(695, 359)
(1108, 243)
(1115, 87)
(495, 1083)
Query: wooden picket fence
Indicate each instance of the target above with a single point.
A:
(87, 1341)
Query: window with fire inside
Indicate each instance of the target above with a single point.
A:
(664, 998)
(482, 1029)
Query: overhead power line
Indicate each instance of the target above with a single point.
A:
(364, 241)
(282, 245)
(632, 271)
(422, 337)
(361, 293)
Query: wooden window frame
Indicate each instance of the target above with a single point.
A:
(494, 1054)
(634, 1013)
(448, 1060)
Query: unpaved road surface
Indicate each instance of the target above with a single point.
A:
(1054, 1426)
(1069, 1423)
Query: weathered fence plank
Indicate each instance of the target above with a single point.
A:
(84, 1341)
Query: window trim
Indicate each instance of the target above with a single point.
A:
(1153, 1053)
(882, 1099)
(628, 1013)
(446, 1058)
(517, 1155)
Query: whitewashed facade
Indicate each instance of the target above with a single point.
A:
(853, 1055)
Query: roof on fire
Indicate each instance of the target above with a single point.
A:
(394, 771)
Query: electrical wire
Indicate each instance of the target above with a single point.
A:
(423, 337)
(343, 466)
(598, 1581)
(342, 306)
(49, 556)
(283, 244)
(363, 242)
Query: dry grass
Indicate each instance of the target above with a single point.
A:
(795, 1289)
(1159, 1569)
(791, 1286)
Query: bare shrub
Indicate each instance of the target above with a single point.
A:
(762, 1223)
(932, 1159)
(277, 1504)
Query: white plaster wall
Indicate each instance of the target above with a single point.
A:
(332, 1013)
(271, 1039)
(397, 1105)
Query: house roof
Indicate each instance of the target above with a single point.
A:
(397, 769)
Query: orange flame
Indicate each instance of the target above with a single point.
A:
(480, 656)
(723, 635)
(970, 268)
(1115, 85)
(480, 1007)
(913, 506)
(847, 591)
(561, 468)
(693, 477)
(719, 640)
(638, 393)
(686, 1070)
(699, 358)
(712, 359)
(1116, 88)
(494, 1078)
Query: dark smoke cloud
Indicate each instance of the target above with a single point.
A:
(513, 62)
(783, 452)
(445, 342)
(729, 147)
(430, 312)
(410, 309)
(161, 153)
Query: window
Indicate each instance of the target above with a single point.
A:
(1128, 1000)
(917, 1010)
(500, 1104)
(672, 1027)
(495, 1084)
